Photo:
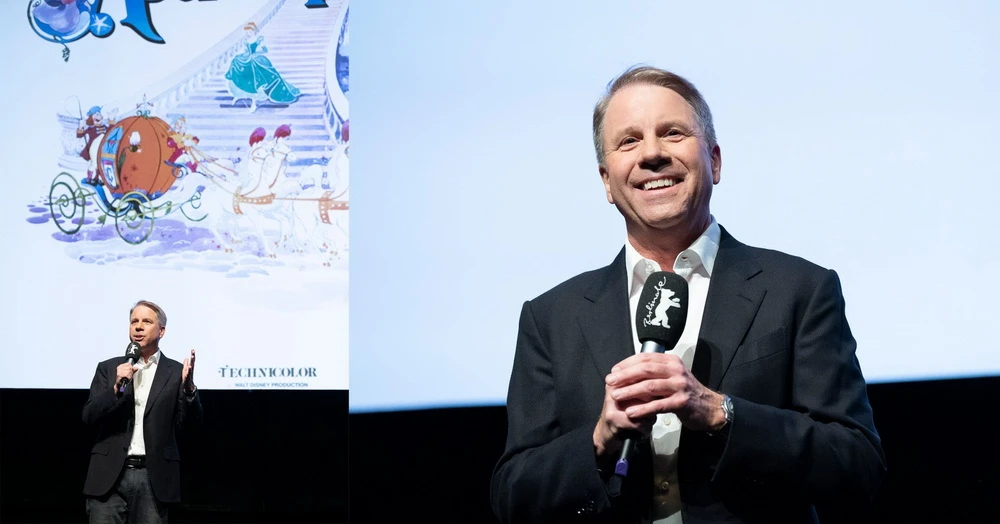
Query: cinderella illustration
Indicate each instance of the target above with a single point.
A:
(251, 74)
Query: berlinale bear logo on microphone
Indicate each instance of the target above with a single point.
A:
(656, 309)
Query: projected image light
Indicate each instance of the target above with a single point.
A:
(848, 137)
(200, 162)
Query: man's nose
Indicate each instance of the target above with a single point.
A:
(654, 154)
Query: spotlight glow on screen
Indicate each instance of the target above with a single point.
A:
(860, 136)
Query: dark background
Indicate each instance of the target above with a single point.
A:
(282, 456)
(938, 436)
(260, 456)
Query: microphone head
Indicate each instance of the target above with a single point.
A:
(662, 310)
(132, 351)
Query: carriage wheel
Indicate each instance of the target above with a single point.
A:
(66, 196)
(134, 219)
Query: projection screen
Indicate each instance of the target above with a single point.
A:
(194, 154)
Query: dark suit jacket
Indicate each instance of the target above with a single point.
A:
(774, 337)
(168, 409)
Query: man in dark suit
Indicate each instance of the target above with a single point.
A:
(134, 472)
(759, 414)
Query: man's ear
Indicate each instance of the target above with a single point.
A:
(605, 178)
(716, 164)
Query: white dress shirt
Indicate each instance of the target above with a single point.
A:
(695, 265)
(142, 379)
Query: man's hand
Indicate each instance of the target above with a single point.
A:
(646, 384)
(615, 425)
(123, 371)
(187, 374)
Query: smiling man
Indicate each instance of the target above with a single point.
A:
(134, 473)
(758, 414)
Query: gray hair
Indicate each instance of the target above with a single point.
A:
(657, 77)
(161, 317)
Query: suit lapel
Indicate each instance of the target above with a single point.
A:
(732, 303)
(160, 379)
(605, 325)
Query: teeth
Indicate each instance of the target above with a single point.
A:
(653, 184)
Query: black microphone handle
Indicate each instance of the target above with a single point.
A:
(125, 381)
(652, 346)
(621, 467)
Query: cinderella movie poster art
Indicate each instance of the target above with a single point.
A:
(190, 153)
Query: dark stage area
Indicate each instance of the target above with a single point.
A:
(940, 445)
(260, 456)
(282, 456)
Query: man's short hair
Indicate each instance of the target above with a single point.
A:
(161, 317)
(658, 77)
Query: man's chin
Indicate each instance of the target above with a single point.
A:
(659, 222)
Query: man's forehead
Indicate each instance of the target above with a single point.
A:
(143, 312)
(644, 99)
(638, 105)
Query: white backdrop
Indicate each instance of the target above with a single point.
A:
(858, 135)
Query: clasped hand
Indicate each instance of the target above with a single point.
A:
(644, 385)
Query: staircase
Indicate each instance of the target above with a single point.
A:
(298, 43)
(301, 44)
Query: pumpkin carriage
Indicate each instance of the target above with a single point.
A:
(137, 163)
(133, 172)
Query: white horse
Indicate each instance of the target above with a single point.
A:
(244, 206)
(317, 224)
(257, 205)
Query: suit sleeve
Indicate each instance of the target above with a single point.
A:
(102, 400)
(824, 448)
(189, 412)
(547, 473)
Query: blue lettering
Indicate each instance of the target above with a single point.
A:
(137, 17)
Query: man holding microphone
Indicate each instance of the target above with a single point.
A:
(140, 402)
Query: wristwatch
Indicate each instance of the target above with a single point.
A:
(727, 409)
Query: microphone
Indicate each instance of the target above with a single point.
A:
(659, 321)
(132, 353)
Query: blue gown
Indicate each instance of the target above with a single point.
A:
(251, 75)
